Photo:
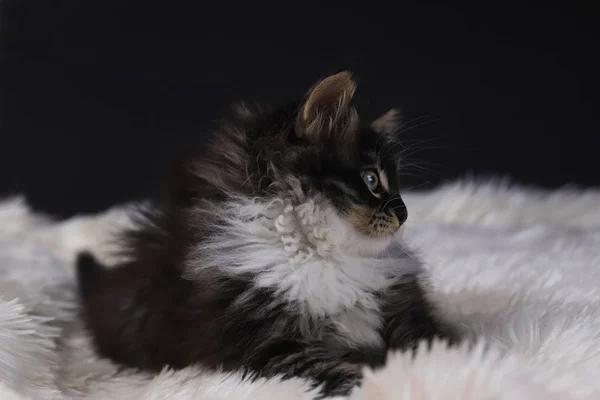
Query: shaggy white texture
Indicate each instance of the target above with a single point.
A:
(310, 256)
(517, 267)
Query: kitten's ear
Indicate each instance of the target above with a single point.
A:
(388, 122)
(327, 106)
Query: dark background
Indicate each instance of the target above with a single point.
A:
(95, 94)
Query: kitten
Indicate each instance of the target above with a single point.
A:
(267, 252)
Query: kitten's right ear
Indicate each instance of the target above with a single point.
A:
(388, 122)
(327, 106)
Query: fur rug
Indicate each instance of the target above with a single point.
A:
(517, 268)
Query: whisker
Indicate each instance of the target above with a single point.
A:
(437, 174)
(418, 125)
(395, 197)
(417, 186)
(391, 134)
(408, 122)
(403, 250)
(423, 164)
(392, 139)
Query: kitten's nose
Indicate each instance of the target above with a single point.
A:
(397, 209)
(401, 213)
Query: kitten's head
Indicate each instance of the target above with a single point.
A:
(351, 162)
(320, 147)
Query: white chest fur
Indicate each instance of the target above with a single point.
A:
(359, 325)
(310, 256)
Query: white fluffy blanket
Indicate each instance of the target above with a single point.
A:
(518, 268)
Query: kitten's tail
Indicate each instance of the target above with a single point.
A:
(88, 272)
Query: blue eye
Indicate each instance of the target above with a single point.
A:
(371, 179)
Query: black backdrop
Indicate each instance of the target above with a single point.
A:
(95, 94)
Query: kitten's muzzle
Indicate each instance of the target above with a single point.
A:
(388, 222)
(379, 223)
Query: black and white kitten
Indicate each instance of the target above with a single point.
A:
(267, 252)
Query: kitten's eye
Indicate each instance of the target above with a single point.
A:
(371, 179)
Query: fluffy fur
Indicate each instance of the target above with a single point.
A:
(516, 266)
(267, 253)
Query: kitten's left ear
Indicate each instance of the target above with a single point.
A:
(327, 107)
(388, 122)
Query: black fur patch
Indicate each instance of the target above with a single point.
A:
(88, 272)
